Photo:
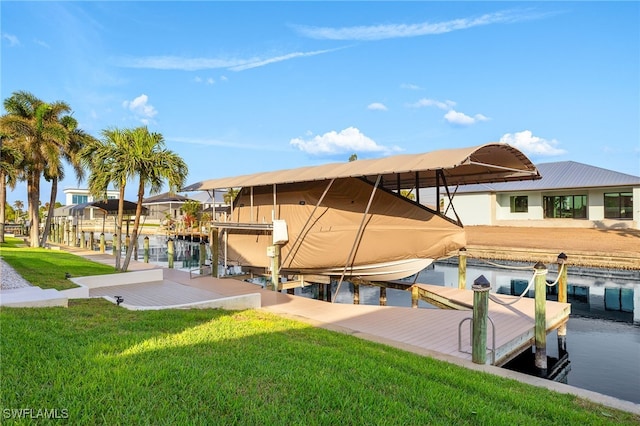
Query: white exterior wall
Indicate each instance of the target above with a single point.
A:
(495, 209)
(473, 209)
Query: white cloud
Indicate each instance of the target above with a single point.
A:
(461, 119)
(424, 102)
(377, 106)
(410, 86)
(13, 40)
(381, 32)
(141, 108)
(195, 64)
(348, 140)
(210, 81)
(529, 144)
(41, 43)
(452, 116)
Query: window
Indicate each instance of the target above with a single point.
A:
(618, 205)
(79, 199)
(565, 206)
(519, 204)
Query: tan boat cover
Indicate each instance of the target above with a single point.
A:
(394, 228)
(493, 162)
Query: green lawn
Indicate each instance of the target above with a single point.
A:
(102, 364)
(97, 363)
(47, 268)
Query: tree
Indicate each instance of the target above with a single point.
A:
(105, 160)
(36, 127)
(10, 159)
(353, 157)
(191, 210)
(230, 195)
(408, 194)
(18, 205)
(70, 152)
(148, 158)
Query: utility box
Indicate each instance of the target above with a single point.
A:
(271, 251)
(280, 235)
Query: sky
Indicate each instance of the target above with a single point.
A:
(243, 87)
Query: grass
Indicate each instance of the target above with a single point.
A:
(97, 363)
(102, 364)
(47, 268)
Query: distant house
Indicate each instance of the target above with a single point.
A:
(75, 196)
(215, 204)
(570, 194)
(165, 206)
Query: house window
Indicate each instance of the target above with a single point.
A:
(519, 204)
(618, 205)
(565, 206)
(79, 199)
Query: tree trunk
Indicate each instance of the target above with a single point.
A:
(52, 202)
(3, 203)
(136, 224)
(33, 196)
(118, 243)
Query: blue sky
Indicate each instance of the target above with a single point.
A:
(243, 87)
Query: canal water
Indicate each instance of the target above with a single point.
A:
(603, 331)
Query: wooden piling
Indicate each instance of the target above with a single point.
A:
(275, 267)
(203, 256)
(328, 292)
(415, 296)
(127, 242)
(115, 245)
(102, 242)
(356, 294)
(170, 251)
(92, 241)
(145, 245)
(562, 297)
(320, 291)
(213, 242)
(480, 287)
(462, 268)
(383, 296)
(541, 317)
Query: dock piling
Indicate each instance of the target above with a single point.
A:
(383, 296)
(146, 249)
(562, 297)
(356, 294)
(541, 317)
(203, 256)
(480, 287)
(170, 251)
(213, 242)
(462, 268)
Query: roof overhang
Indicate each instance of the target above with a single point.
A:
(493, 162)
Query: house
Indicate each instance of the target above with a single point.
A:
(75, 196)
(570, 194)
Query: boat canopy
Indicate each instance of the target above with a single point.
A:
(492, 162)
(109, 207)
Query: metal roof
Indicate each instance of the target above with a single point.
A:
(165, 198)
(561, 175)
(493, 162)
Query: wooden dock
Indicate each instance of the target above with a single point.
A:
(430, 330)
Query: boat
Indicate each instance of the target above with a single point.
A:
(350, 220)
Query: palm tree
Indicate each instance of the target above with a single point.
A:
(148, 158)
(105, 159)
(10, 158)
(77, 138)
(18, 204)
(36, 128)
(230, 195)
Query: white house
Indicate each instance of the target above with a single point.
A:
(75, 196)
(570, 194)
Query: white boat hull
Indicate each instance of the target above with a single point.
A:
(384, 271)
